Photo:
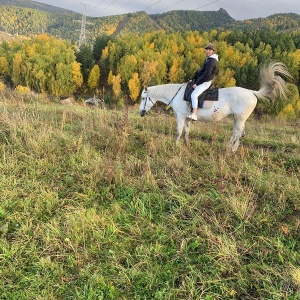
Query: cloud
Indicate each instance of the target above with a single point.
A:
(239, 10)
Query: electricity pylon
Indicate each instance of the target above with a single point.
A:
(82, 37)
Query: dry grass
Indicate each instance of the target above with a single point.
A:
(99, 204)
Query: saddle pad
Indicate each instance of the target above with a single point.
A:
(210, 94)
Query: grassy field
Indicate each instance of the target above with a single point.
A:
(100, 204)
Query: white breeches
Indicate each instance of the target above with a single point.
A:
(199, 89)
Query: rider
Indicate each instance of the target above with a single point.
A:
(203, 77)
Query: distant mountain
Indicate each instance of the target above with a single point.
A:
(183, 20)
(35, 5)
(276, 22)
(25, 17)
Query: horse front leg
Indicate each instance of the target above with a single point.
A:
(180, 125)
(187, 130)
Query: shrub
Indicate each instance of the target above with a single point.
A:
(23, 89)
(288, 113)
(2, 86)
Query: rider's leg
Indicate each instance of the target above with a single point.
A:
(198, 90)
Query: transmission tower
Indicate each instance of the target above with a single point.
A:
(82, 38)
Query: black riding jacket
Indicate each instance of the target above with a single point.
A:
(208, 71)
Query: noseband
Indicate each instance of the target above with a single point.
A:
(146, 102)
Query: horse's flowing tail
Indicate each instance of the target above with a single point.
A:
(272, 84)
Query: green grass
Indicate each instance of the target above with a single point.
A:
(99, 204)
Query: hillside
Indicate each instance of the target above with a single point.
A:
(99, 204)
(277, 22)
(183, 20)
(34, 18)
(35, 5)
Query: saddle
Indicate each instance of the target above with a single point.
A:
(211, 94)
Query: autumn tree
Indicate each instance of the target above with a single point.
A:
(93, 80)
(43, 64)
(176, 73)
(99, 44)
(115, 82)
(16, 73)
(77, 76)
(134, 86)
(4, 66)
(86, 59)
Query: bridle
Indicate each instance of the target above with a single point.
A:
(146, 102)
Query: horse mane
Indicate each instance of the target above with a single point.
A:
(164, 90)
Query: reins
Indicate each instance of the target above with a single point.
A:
(175, 94)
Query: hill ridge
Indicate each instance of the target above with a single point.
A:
(60, 22)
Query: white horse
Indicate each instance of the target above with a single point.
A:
(236, 101)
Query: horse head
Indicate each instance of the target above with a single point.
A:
(146, 103)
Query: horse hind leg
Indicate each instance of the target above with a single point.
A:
(235, 140)
(237, 134)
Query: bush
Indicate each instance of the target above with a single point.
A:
(2, 86)
(22, 89)
(288, 113)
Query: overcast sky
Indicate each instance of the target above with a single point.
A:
(237, 9)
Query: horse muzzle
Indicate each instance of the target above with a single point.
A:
(143, 112)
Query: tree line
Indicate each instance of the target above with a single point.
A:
(123, 65)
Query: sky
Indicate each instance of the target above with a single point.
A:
(237, 9)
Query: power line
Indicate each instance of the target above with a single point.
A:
(206, 4)
(152, 5)
(108, 5)
(172, 5)
(120, 7)
(97, 5)
(129, 2)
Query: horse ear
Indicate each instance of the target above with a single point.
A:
(145, 88)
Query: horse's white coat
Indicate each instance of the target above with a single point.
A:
(236, 101)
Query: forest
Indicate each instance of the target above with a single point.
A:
(122, 65)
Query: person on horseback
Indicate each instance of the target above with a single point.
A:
(203, 78)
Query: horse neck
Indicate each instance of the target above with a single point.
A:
(165, 92)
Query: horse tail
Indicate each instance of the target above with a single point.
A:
(272, 84)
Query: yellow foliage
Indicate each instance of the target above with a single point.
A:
(288, 112)
(297, 108)
(115, 82)
(94, 77)
(191, 40)
(225, 78)
(105, 53)
(43, 37)
(17, 62)
(148, 72)
(176, 73)
(22, 89)
(134, 86)
(295, 273)
(4, 66)
(30, 50)
(76, 72)
(2, 86)
(110, 77)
